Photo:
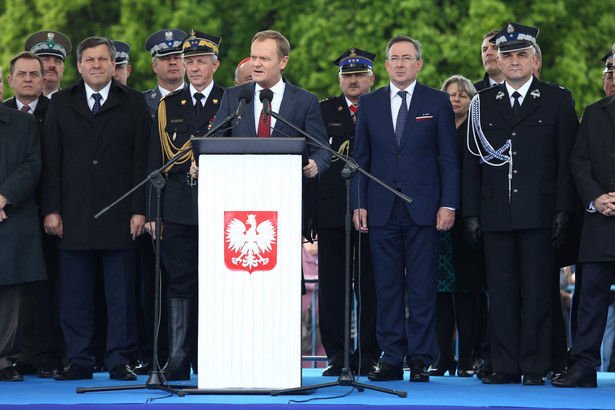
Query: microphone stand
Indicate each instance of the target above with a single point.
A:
(346, 377)
(158, 182)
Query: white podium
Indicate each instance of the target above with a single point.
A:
(249, 262)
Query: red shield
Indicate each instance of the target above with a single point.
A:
(250, 240)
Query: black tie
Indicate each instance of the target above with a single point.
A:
(198, 107)
(516, 104)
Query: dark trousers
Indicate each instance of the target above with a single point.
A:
(10, 296)
(331, 303)
(592, 314)
(77, 278)
(519, 279)
(405, 257)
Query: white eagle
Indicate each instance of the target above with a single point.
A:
(250, 243)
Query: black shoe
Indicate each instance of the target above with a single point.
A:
(46, 372)
(484, 371)
(575, 378)
(418, 371)
(332, 370)
(25, 368)
(140, 368)
(122, 372)
(438, 370)
(533, 379)
(366, 370)
(465, 373)
(10, 374)
(501, 378)
(73, 372)
(385, 373)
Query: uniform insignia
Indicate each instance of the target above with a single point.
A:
(183, 102)
(510, 28)
(353, 52)
(177, 120)
(153, 95)
(50, 36)
(215, 101)
(168, 36)
(339, 108)
(499, 96)
(535, 93)
(335, 124)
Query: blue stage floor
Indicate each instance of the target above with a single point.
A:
(451, 393)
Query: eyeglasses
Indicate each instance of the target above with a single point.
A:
(405, 59)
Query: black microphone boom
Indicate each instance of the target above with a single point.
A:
(266, 95)
(245, 98)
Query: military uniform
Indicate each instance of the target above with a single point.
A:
(517, 204)
(175, 123)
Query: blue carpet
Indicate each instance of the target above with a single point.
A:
(442, 393)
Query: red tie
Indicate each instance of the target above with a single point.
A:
(25, 108)
(264, 129)
(353, 108)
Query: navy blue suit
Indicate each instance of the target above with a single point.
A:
(403, 238)
(299, 107)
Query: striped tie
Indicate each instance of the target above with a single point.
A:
(401, 117)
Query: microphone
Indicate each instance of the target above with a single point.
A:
(245, 98)
(266, 95)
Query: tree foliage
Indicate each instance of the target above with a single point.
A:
(574, 34)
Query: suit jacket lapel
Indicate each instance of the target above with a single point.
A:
(286, 108)
(248, 116)
(610, 109)
(530, 102)
(188, 114)
(416, 102)
(388, 130)
(502, 104)
(112, 99)
(78, 101)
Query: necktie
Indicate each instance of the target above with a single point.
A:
(25, 108)
(353, 108)
(264, 129)
(516, 104)
(401, 117)
(97, 97)
(198, 107)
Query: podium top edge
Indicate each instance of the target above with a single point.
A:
(247, 145)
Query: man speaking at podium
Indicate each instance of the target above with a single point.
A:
(270, 52)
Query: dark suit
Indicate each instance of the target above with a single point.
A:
(42, 343)
(517, 221)
(482, 84)
(594, 173)
(89, 161)
(19, 234)
(331, 211)
(299, 107)
(403, 238)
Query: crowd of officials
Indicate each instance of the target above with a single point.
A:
(482, 192)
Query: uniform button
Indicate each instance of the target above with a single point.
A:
(514, 134)
(539, 121)
(398, 156)
(514, 152)
(515, 190)
(95, 162)
(192, 136)
(612, 154)
(515, 171)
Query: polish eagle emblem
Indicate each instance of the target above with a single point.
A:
(250, 240)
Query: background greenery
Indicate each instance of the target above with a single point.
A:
(574, 34)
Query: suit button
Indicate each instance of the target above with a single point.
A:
(398, 156)
(95, 162)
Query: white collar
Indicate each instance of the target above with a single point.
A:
(104, 92)
(522, 90)
(409, 88)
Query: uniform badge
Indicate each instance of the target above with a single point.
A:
(215, 101)
(499, 96)
(535, 93)
(50, 36)
(153, 95)
(183, 102)
(250, 240)
(168, 36)
(510, 29)
(339, 108)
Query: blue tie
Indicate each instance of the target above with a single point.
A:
(401, 117)
(97, 97)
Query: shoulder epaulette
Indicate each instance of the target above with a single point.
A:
(327, 99)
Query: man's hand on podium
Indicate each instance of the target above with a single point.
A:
(309, 171)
